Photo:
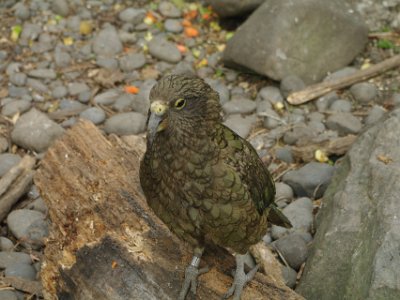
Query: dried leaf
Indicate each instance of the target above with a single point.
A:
(191, 32)
(385, 159)
(131, 89)
(85, 27)
(321, 156)
(15, 32)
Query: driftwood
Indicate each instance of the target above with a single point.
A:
(105, 243)
(313, 91)
(15, 183)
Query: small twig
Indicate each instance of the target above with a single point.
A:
(264, 114)
(323, 88)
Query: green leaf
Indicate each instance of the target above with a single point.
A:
(15, 32)
(385, 44)
(179, 3)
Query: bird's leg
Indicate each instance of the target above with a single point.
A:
(191, 273)
(240, 279)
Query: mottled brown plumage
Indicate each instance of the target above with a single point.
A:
(201, 179)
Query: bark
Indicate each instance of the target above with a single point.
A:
(105, 243)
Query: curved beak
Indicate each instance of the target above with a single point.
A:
(157, 119)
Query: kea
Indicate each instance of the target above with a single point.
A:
(205, 182)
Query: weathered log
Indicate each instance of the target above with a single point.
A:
(105, 243)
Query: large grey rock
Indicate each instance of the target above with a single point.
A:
(307, 38)
(35, 131)
(231, 8)
(358, 230)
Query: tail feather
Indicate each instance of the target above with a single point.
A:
(277, 217)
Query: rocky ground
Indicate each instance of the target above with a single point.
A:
(97, 60)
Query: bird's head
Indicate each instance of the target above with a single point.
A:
(181, 102)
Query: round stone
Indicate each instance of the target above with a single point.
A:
(94, 114)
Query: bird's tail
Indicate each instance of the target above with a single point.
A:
(277, 217)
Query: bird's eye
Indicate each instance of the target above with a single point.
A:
(180, 103)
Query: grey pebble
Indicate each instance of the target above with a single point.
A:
(28, 225)
(346, 71)
(364, 92)
(8, 258)
(141, 102)
(126, 123)
(124, 103)
(127, 37)
(8, 295)
(173, 25)
(241, 125)
(294, 118)
(37, 85)
(73, 23)
(285, 154)
(289, 276)
(16, 106)
(69, 104)
(169, 10)
(94, 114)
(324, 102)
(59, 91)
(60, 7)
(239, 106)
(294, 249)
(3, 144)
(7, 161)
(341, 105)
(13, 67)
(43, 73)
(299, 133)
(21, 11)
(300, 214)
(107, 62)
(6, 244)
(271, 118)
(107, 98)
(375, 114)
(30, 32)
(107, 42)
(164, 50)
(344, 123)
(263, 106)
(19, 79)
(205, 72)
(38, 205)
(132, 62)
(283, 194)
(62, 58)
(396, 99)
(316, 126)
(85, 96)
(21, 270)
(75, 88)
(291, 83)
(271, 94)
(220, 88)
(315, 116)
(310, 180)
(132, 15)
(35, 131)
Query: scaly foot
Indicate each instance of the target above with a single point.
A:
(240, 279)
